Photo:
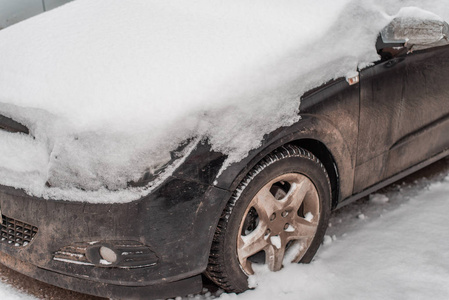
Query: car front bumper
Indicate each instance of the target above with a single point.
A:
(159, 291)
(174, 225)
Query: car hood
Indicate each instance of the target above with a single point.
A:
(108, 88)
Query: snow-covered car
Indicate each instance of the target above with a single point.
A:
(139, 152)
(15, 11)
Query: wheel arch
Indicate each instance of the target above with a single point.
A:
(315, 134)
(320, 150)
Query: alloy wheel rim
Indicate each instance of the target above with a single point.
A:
(280, 223)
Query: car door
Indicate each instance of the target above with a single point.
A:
(404, 114)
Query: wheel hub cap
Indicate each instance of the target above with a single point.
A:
(286, 211)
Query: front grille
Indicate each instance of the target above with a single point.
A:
(17, 233)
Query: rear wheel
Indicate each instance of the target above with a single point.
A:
(278, 214)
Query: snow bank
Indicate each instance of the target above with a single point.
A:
(108, 88)
(8, 292)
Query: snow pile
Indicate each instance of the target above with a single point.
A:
(7, 292)
(378, 198)
(109, 88)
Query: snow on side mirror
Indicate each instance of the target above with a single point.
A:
(413, 26)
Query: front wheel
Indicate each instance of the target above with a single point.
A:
(278, 214)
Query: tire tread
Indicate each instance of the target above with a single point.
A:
(215, 270)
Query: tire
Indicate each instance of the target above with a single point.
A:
(279, 212)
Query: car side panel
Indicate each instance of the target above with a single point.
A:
(404, 114)
(424, 119)
(379, 119)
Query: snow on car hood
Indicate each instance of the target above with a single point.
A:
(108, 88)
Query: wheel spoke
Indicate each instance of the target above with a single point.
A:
(303, 229)
(297, 193)
(252, 243)
(312, 204)
(288, 211)
(274, 257)
(265, 204)
(268, 200)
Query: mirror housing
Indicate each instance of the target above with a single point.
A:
(415, 31)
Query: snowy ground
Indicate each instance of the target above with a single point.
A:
(394, 245)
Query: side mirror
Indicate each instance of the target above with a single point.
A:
(415, 31)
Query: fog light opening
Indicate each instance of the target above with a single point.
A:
(108, 256)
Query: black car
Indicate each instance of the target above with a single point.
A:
(355, 136)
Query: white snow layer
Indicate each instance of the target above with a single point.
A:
(108, 88)
(8, 292)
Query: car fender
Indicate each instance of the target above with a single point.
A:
(309, 127)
